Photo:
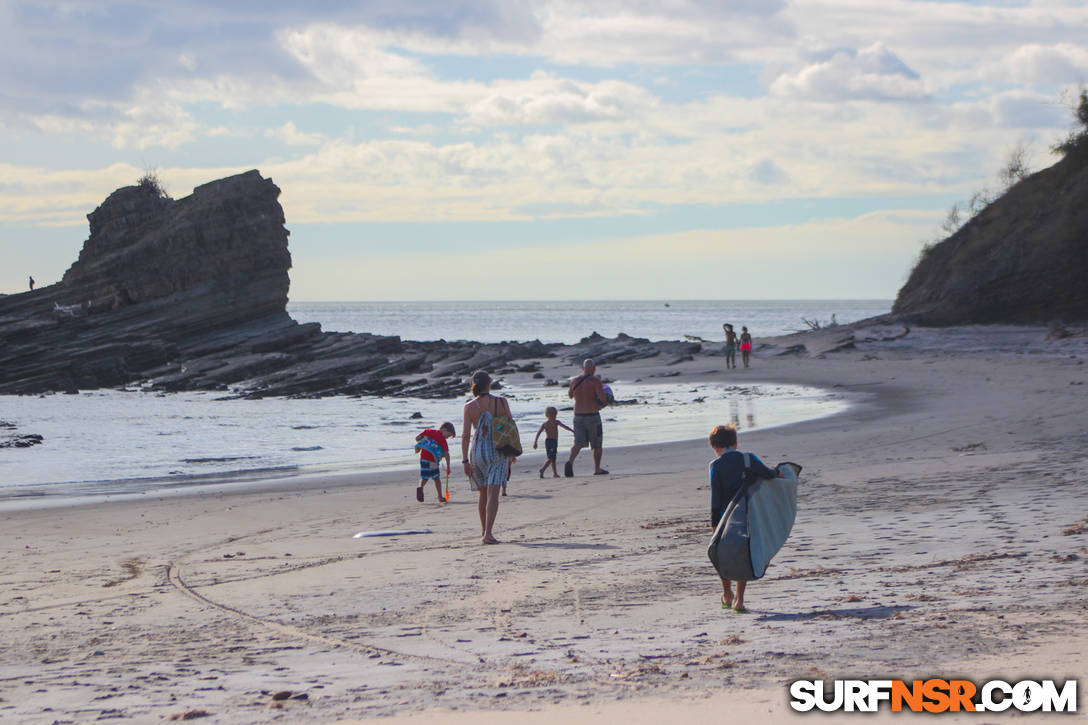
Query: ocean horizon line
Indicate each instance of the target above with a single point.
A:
(595, 299)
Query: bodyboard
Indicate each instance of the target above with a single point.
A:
(755, 525)
(391, 532)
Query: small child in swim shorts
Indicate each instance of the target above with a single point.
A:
(550, 429)
(432, 447)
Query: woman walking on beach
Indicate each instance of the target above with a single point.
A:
(485, 467)
(745, 345)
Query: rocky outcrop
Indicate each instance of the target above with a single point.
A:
(1023, 259)
(191, 295)
(224, 248)
(157, 281)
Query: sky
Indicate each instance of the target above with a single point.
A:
(539, 149)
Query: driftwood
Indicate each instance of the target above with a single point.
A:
(67, 310)
(815, 324)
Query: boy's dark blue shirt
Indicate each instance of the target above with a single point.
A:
(726, 478)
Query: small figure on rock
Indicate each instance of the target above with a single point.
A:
(31, 284)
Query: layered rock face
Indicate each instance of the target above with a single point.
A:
(224, 245)
(1023, 259)
(155, 278)
(191, 295)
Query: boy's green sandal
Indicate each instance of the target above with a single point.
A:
(736, 610)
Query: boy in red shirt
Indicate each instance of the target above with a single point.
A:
(432, 446)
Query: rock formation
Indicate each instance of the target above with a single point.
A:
(10, 438)
(157, 281)
(1023, 259)
(191, 295)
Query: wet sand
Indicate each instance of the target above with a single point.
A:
(942, 531)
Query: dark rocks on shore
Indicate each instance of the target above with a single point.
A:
(23, 441)
(191, 294)
(13, 440)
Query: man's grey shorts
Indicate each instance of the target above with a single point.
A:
(588, 430)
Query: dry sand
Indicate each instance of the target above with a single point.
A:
(942, 531)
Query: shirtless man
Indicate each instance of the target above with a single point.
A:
(589, 396)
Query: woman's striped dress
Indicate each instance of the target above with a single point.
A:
(489, 468)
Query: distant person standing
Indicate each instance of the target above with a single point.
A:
(745, 345)
(31, 284)
(730, 346)
(589, 396)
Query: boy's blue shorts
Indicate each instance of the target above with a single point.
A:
(428, 470)
(551, 446)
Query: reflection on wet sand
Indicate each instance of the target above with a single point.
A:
(749, 414)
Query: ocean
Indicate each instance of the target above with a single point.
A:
(568, 321)
(112, 442)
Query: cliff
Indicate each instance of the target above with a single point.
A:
(1023, 259)
(225, 246)
(156, 280)
(191, 295)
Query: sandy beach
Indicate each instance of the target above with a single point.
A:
(942, 531)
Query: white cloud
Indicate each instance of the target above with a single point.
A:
(716, 150)
(1048, 64)
(341, 58)
(354, 68)
(290, 135)
(154, 123)
(873, 73)
(545, 99)
(51, 197)
(949, 44)
(671, 33)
